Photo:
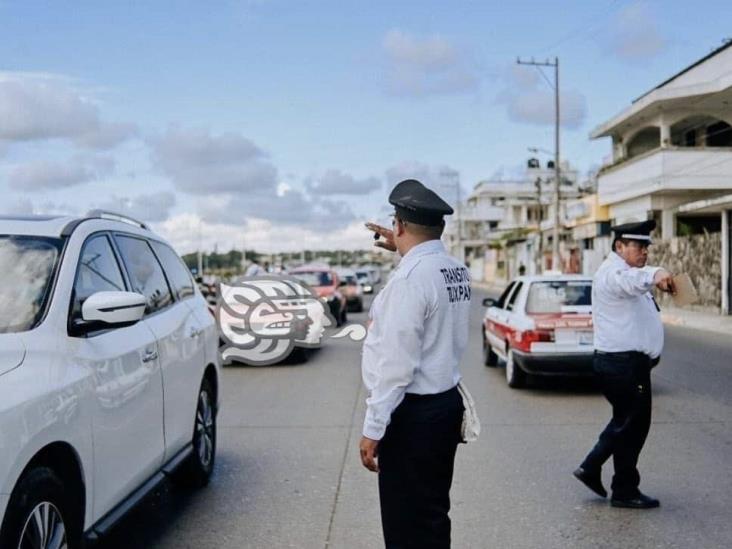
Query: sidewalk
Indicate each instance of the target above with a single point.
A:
(706, 321)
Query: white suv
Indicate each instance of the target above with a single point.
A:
(109, 375)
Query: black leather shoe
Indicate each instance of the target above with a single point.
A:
(641, 501)
(592, 481)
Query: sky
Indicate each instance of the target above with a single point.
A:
(278, 125)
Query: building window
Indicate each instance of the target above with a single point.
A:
(719, 135)
(687, 226)
(645, 140)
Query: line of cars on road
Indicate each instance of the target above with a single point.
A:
(341, 290)
(540, 326)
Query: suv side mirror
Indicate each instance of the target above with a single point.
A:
(110, 310)
(490, 302)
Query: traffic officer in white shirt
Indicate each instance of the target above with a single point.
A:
(628, 343)
(418, 330)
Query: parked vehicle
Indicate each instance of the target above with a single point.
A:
(325, 282)
(365, 278)
(541, 325)
(352, 289)
(109, 378)
(375, 273)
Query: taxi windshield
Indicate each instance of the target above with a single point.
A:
(557, 295)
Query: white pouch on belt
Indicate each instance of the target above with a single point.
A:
(470, 429)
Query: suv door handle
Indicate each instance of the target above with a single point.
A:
(150, 355)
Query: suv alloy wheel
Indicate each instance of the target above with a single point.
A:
(200, 465)
(41, 514)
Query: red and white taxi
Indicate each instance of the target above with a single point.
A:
(541, 325)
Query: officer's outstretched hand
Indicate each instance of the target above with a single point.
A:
(386, 234)
(369, 451)
(664, 281)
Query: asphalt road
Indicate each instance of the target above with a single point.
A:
(288, 473)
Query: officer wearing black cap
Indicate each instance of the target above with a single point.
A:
(418, 330)
(628, 343)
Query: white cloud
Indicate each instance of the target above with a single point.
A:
(442, 179)
(39, 107)
(529, 100)
(26, 206)
(201, 163)
(50, 174)
(418, 66)
(189, 232)
(292, 208)
(337, 182)
(635, 36)
(146, 207)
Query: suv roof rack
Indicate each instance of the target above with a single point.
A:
(108, 214)
(101, 214)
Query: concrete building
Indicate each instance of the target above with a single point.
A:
(492, 229)
(672, 157)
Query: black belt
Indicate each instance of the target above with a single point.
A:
(630, 354)
(414, 396)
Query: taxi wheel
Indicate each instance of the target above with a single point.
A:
(515, 376)
(489, 357)
(344, 317)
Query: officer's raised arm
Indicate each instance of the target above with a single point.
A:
(632, 277)
(631, 282)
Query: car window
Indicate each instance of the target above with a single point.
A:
(504, 296)
(178, 274)
(28, 264)
(558, 296)
(146, 275)
(514, 295)
(97, 271)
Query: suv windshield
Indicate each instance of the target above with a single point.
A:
(315, 278)
(557, 295)
(27, 264)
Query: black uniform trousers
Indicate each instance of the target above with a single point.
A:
(625, 379)
(416, 459)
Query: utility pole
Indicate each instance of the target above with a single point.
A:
(200, 252)
(557, 170)
(540, 215)
(447, 172)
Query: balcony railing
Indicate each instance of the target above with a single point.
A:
(662, 169)
(481, 213)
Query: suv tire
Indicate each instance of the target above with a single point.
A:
(40, 494)
(196, 471)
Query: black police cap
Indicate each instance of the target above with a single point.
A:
(635, 231)
(414, 202)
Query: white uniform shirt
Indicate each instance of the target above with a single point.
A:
(624, 314)
(254, 270)
(418, 330)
